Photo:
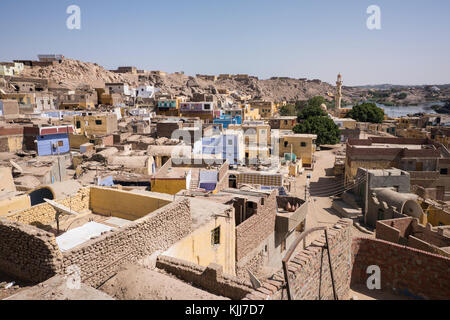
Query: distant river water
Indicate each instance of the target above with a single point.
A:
(400, 111)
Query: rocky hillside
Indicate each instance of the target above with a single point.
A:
(72, 74)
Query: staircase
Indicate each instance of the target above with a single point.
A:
(193, 185)
(346, 210)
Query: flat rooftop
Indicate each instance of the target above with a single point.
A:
(392, 146)
(386, 172)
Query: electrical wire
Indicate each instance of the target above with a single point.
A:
(337, 189)
(339, 182)
(341, 191)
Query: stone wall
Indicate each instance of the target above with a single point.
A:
(102, 257)
(43, 214)
(28, 253)
(253, 262)
(404, 270)
(408, 231)
(309, 269)
(32, 254)
(257, 228)
(211, 278)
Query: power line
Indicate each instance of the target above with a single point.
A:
(341, 191)
(335, 189)
(343, 188)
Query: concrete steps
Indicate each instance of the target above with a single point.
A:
(350, 199)
(193, 185)
(346, 210)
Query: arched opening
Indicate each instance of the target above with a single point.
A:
(37, 196)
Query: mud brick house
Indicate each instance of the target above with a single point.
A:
(107, 229)
(283, 122)
(189, 174)
(9, 108)
(264, 229)
(11, 138)
(406, 272)
(408, 231)
(427, 163)
(240, 231)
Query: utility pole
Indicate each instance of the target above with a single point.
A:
(366, 202)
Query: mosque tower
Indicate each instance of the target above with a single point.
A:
(338, 97)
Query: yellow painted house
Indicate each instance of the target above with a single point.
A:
(434, 214)
(412, 133)
(302, 145)
(266, 109)
(251, 113)
(95, 124)
(213, 239)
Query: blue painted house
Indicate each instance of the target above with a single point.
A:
(226, 120)
(48, 140)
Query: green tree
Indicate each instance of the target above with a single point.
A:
(366, 112)
(311, 111)
(326, 130)
(288, 110)
(300, 104)
(401, 96)
(316, 101)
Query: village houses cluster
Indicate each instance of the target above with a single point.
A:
(215, 193)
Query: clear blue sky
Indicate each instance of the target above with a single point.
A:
(297, 38)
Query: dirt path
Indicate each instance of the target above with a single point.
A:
(139, 283)
(320, 212)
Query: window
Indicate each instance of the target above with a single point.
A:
(303, 144)
(78, 124)
(98, 122)
(215, 236)
(444, 171)
(60, 143)
(285, 121)
(285, 144)
(207, 107)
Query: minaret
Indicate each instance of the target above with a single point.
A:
(338, 97)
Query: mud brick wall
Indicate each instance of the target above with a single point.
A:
(100, 258)
(309, 270)
(257, 228)
(404, 270)
(28, 253)
(209, 278)
(254, 264)
(44, 214)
